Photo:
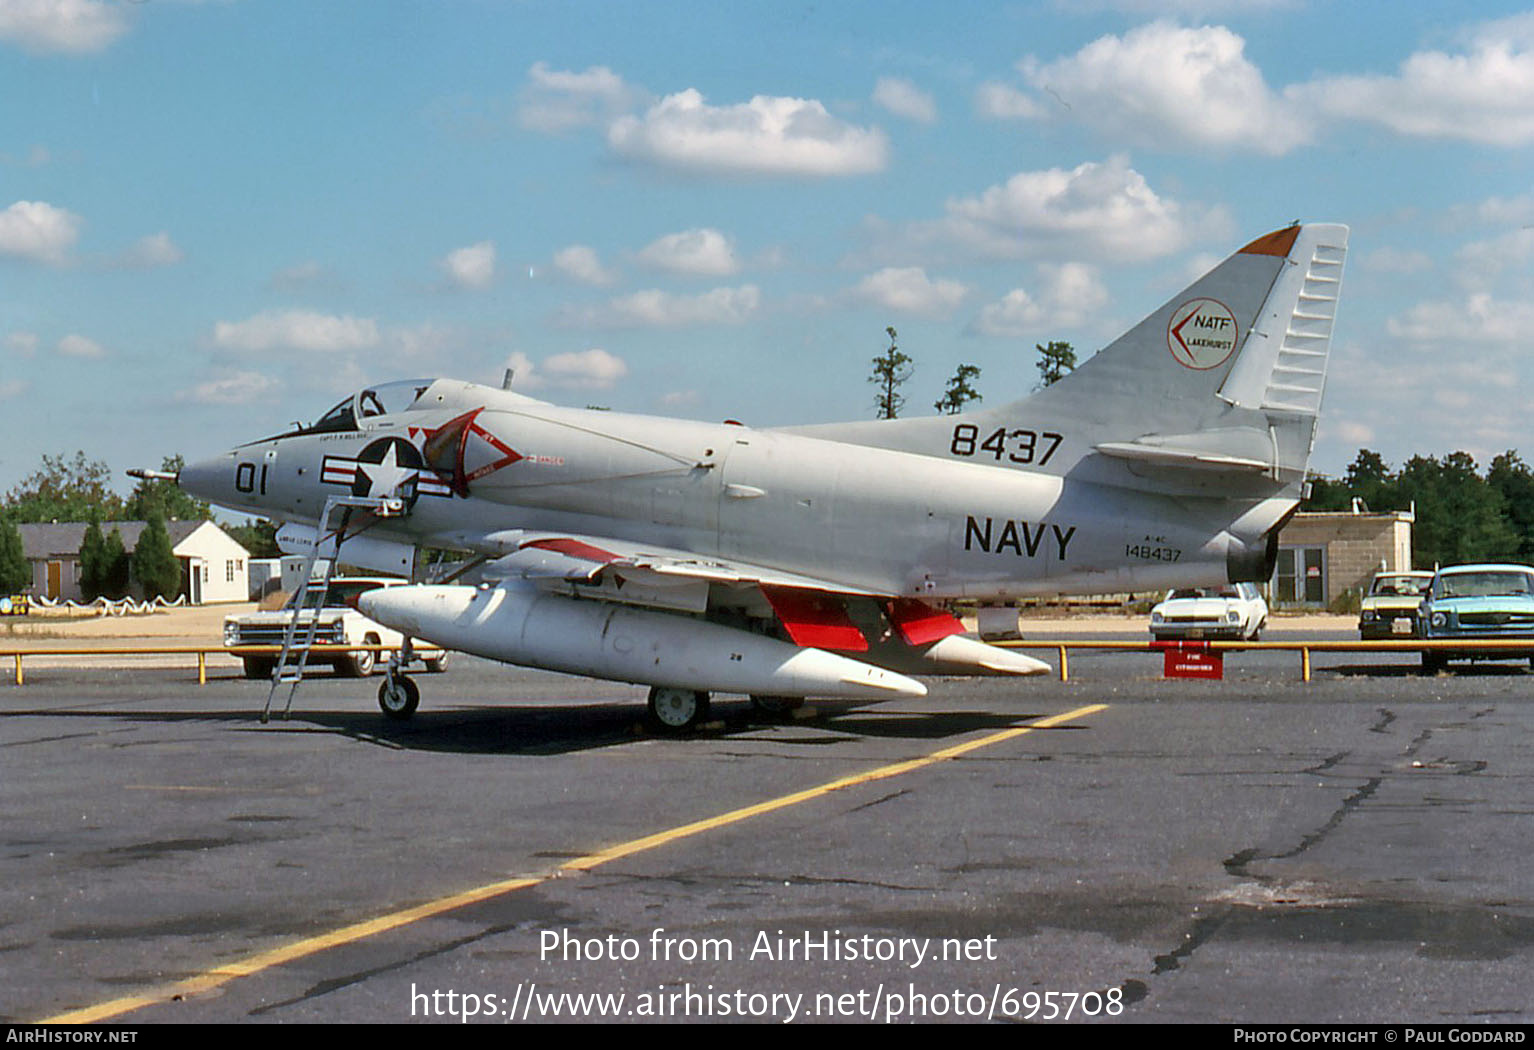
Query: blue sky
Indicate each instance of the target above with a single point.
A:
(219, 217)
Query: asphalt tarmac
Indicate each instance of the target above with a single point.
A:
(1113, 848)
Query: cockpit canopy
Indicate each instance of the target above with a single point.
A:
(382, 400)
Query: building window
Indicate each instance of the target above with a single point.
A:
(228, 571)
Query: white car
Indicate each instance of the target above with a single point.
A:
(340, 624)
(1235, 610)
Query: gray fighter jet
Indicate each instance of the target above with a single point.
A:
(816, 561)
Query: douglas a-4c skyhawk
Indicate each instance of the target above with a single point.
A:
(816, 560)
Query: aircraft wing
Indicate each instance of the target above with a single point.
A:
(577, 558)
(815, 613)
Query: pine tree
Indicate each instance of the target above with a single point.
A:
(1055, 361)
(115, 567)
(15, 572)
(92, 562)
(891, 369)
(154, 561)
(959, 392)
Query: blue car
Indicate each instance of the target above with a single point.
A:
(1479, 603)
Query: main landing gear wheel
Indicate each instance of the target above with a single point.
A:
(398, 697)
(776, 706)
(676, 710)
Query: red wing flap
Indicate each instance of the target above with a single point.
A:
(919, 623)
(818, 621)
(573, 548)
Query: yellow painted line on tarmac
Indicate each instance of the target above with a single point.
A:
(221, 975)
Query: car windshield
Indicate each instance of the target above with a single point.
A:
(1482, 584)
(1402, 584)
(342, 593)
(1203, 592)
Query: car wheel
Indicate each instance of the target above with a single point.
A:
(361, 663)
(1433, 662)
(258, 666)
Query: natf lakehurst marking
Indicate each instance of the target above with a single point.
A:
(1201, 333)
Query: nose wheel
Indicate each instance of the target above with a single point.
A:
(677, 710)
(398, 696)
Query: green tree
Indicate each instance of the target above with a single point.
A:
(65, 489)
(116, 568)
(93, 568)
(154, 561)
(1055, 361)
(1511, 477)
(959, 391)
(15, 571)
(1368, 478)
(167, 497)
(257, 537)
(891, 370)
(1459, 516)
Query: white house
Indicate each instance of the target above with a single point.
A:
(214, 568)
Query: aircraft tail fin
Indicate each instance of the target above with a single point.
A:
(1214, 393)
(1226, 378)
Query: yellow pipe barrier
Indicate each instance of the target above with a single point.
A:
(1304, 648)
(200, 651)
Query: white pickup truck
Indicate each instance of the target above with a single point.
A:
(340, 624)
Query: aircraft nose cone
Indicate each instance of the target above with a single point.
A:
(209, 479)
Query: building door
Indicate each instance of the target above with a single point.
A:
(1314, 562)
(1300, 575)
(55, 579)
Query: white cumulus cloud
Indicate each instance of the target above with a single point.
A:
(589, 369)
(472, 266)
(79, 346)
(22, 344)
(593, 369)
(765, 136)
(653, 308)
(580, 262)
(297, 330)
(38, 231)
(908, 289)
(1483, 95)
(557, 100)
(68, 26)
(905, 99)
(1004, 102)
(1067, 296)
(1169, 87)
(706, 252)
(157, 249)
(238, 388)
(1094, 210)
(1481, 318)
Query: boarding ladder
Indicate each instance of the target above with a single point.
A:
(298, 637)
